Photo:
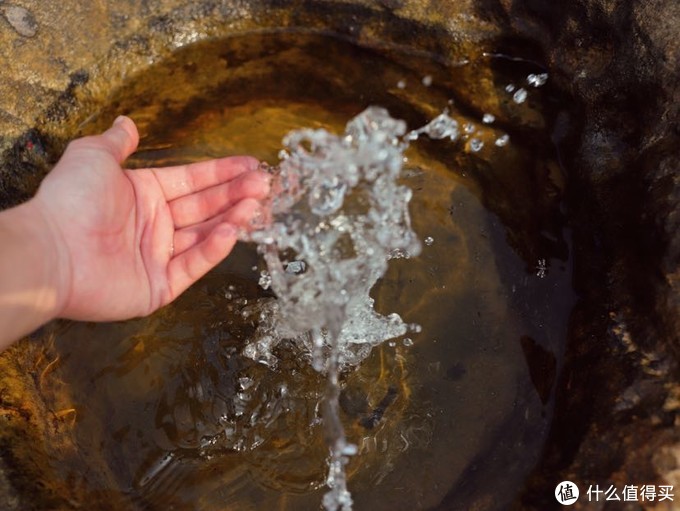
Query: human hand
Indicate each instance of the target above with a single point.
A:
(131, 241)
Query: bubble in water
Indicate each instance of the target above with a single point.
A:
(519, 96)
(429, 241)
(503, 140)
(509, 87)
(488, 118)
(401, 84)
(537, 80)
(469, 128)
(407, 342)
(427, 80)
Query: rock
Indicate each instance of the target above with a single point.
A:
(21, 20)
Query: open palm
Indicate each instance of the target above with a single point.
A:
(131, 241)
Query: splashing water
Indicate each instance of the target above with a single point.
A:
(338, 215)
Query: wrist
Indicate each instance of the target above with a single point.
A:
(57, 269)
(38, 261)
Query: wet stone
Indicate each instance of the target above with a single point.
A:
(21, 19)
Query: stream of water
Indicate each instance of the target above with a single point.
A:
(339, 215)
(407, 305)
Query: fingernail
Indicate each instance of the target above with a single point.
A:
(119, 120)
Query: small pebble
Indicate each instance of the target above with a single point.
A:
(21, 20)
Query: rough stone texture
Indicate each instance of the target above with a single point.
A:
(618, 408)
(617, 416)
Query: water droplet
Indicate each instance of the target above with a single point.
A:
(427, 80)
(296, 267)
(350, 450)
(440, 127)
(509, 87)
(429, 241)
(155, 469)
(537, 80)
(265, 279)
(476, 145)
(398, 253)
(401, 84)
(245, 382)
(250, 351)
(520, 96)
(503, 140)
(407, 342)
(468, 128)
(488, 118)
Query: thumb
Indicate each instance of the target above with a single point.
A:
(121, 139)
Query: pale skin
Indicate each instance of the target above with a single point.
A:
(100, 243)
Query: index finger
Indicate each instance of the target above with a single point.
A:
(187, 179)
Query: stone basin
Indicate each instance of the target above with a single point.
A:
(616, 418)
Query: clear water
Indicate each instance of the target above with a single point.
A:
(180, 409)
(338, 215)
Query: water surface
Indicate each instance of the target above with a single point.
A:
(457, 415)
